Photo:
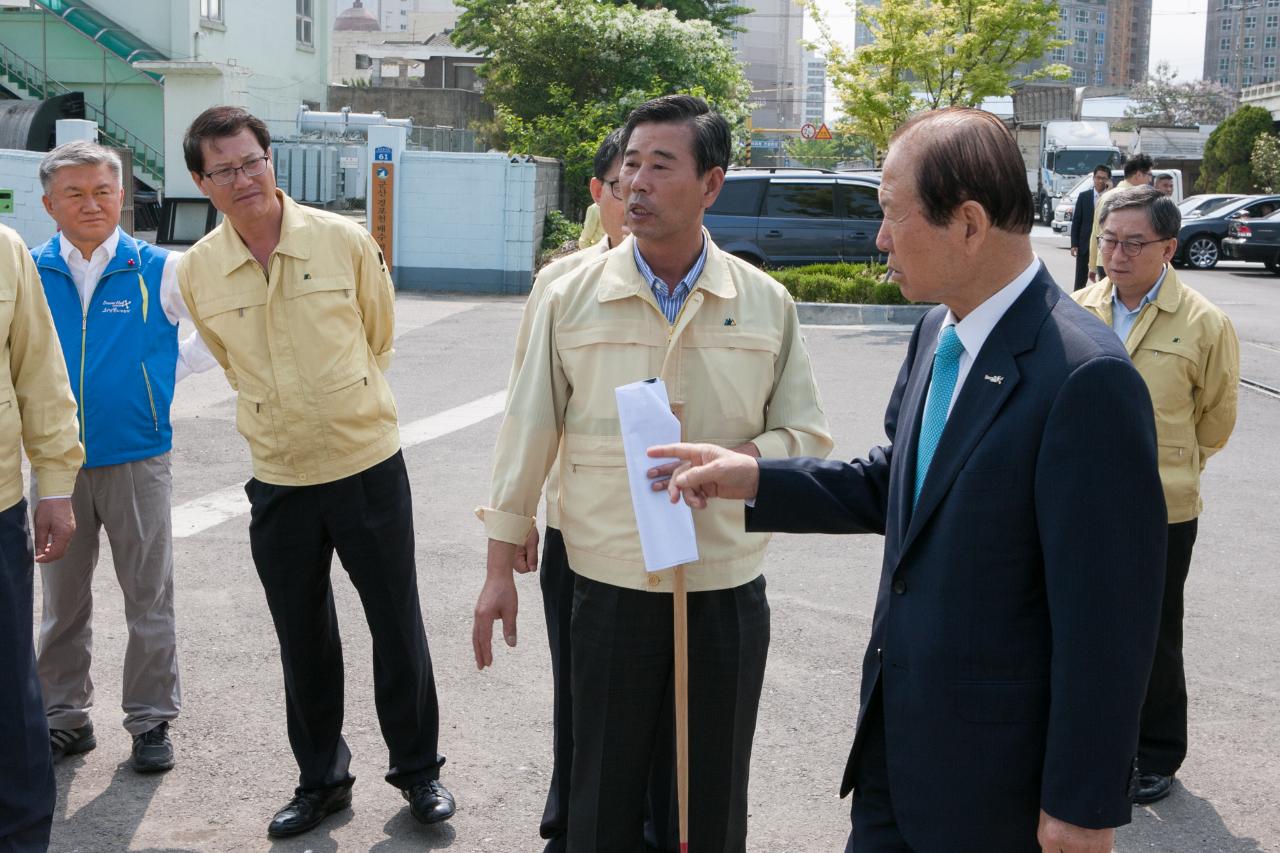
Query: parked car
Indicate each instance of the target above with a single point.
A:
(781, 217)
(1067, 204)
(1256, 240)
(1195, 206)
(1200, 238)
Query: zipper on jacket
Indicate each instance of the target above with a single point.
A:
(155, 422)
(84, 334)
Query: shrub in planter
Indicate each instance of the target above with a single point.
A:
(840, 283)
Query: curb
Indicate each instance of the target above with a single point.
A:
(836, 314)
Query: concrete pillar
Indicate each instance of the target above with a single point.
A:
(75, 130)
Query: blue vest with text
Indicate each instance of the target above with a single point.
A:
(122, 354)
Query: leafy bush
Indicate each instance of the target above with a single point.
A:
(841, 283)
(558, 230)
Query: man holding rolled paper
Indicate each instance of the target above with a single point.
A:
(725, 339)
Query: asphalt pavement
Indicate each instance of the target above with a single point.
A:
(234, 766)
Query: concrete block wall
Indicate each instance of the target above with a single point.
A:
(467, 223)
(546, 192)
(19, 172)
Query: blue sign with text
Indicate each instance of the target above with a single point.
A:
(382, 152)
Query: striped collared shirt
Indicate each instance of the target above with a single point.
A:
(671, 301)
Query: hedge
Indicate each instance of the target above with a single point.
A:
(848, 283)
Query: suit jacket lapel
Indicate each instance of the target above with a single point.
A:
(981, 398)
(902, 477)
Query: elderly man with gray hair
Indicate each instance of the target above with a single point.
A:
(116, 305)
(1186, 351)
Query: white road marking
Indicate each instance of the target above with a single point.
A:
(198, 515)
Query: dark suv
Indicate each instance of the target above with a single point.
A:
(781, 217)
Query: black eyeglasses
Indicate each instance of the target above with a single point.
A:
(613, 188)
(251, 168)
(1128, 248)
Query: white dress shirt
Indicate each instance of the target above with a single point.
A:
(193, 355)
(975, 328)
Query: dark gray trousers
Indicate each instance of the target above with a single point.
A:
(623, 705)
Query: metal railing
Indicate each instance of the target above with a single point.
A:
(31, 78)
(443, 139)
(103, 31)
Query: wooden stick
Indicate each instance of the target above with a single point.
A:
(680, 613)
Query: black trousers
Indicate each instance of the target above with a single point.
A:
(368, 519)
(1082, 268)
(1162, 734)
(874, 827)
(623, 705)
(661, 827)
(26, 774)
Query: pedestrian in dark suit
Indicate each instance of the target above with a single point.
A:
(1011, 644)
(1082, 223)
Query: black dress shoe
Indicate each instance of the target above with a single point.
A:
(429, 801)
(64, 742)
(152, 750)
(1151, 788)
(307, 809)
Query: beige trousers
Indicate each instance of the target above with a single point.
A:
(132, 501)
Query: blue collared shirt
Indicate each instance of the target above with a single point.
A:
(671, 302)
(1122, 319)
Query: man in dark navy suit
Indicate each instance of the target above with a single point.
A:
(1012, 638)
(1082, 222)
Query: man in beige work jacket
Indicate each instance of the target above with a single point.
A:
(726, 340)
(1137, 173)
(36, 411)
(1187, 352)
(298, 307)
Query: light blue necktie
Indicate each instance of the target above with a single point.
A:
(946, 368)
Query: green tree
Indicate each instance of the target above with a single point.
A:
(928, 54)
(828, 153)
(1266, 162)
(1163, 100)
(561, 74)
(1228, 154)
(480, 16)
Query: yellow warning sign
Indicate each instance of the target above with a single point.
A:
(823, 133)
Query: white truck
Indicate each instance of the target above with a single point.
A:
(1063, 152)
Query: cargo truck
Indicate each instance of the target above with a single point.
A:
(1059, 153)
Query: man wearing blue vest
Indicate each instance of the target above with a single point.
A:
(116, 305)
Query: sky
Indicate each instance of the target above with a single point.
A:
(1177, 32)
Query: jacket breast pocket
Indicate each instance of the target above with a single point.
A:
(1169, 367)
(239, 319)
(1023, 701)
(733, 372)
(327, 329)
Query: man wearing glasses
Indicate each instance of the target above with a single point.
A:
(1187, 352)
(1137, 173)
(298, 307)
